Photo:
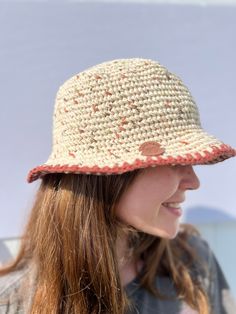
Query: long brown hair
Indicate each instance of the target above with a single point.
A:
(70, 237)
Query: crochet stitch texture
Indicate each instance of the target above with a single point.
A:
(126, 114)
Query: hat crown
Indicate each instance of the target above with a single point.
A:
(121, 101)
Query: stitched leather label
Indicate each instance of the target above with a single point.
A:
(151, 148)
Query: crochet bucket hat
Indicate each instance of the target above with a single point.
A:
(126, 114)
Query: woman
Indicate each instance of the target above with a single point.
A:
(104, 235)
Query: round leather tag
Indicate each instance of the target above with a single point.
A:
(151, 148)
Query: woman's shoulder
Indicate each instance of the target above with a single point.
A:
(209, 272)
(10, 284)
(198, 255)
(195, 241)
(11, 280)
(200, 245)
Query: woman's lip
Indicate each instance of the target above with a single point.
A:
(175, 211)
(173, 203)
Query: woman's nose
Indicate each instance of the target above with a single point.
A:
(190, 180)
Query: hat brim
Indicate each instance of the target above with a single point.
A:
(194, 148)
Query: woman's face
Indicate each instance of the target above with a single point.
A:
(152, 203)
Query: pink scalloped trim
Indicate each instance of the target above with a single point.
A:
(221, 153)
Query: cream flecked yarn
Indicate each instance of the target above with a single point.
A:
(126, 114)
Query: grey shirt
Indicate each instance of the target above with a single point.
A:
(214, 283)
(144, 303)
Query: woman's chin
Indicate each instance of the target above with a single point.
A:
(166, 233)
(170, 234)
